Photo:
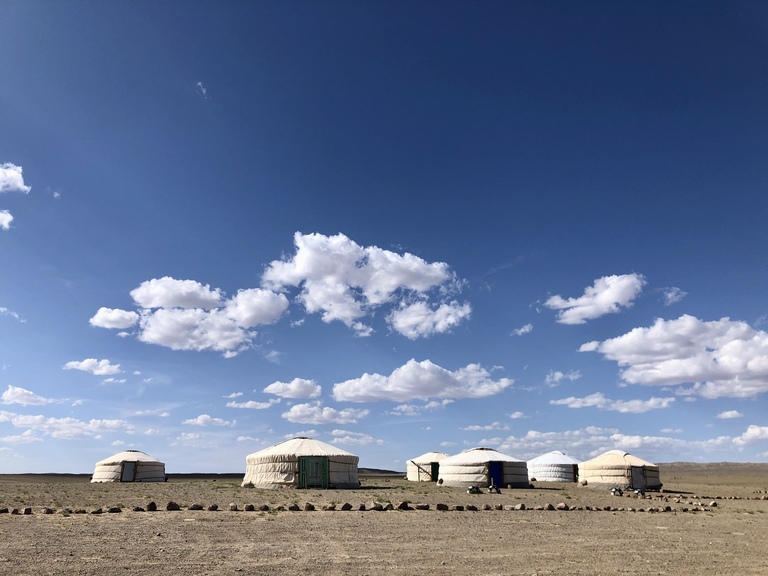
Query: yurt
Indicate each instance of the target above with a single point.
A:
(553, 467)
(619, 469)
(129, 466)
(425, 468)
(483, 467)
(301, 463)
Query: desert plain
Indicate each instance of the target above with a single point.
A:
(708, 519)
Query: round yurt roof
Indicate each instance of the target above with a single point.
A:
(554, 457)
(127, 456)
(296, 447)
(429, 457)
(478, 455)
(616, 458)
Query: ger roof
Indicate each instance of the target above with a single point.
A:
(301, 446)
(617, 458)
(429, 457)
(477, 455)
(127, 456)
(554, 457)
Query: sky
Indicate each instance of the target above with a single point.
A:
(396, 227)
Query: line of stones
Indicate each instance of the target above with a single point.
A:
(375, 506)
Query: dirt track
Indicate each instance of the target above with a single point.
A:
(691, 538)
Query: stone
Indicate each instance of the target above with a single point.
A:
(294, 508)
(458, 508)
(195, 507)
(713, 504)
(361, 507)
(114, 510)
(346, 506)
(562, 506)
(137, 509)
(172, 506)
(212, 507)
(549, 507)
(520, 506)
(49, 511)
(97, 511)
(471, 508)
(422, 506)
(309, 507)
(249, 508)
(404, 506)
(264, 508)
(441, 507)
(487, 507)
(151, 507)
(233, 507)
(376, 506)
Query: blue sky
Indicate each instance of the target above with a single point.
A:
(396, 227)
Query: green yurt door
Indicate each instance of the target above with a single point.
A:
(435, 471)
(313, 472)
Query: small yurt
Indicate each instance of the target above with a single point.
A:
(129, 466)
(425, 468)
(483, 467)
(619, 469)
(301, 463)
(553, 466)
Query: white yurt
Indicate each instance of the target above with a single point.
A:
(129, 466)
(301, 463)
(619, 469)
(425, 468)
(483, 467)
(553, 466)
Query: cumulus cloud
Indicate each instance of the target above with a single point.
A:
(416, 410)
(12, 179)
(752, 434)
(345, 282)
(5, 219)
(721, 358)
(95, 367)
(598, 400)
(419, 320)
(346, 437)
(296, 388)
(187, 315)
(65, 428)
(421, 380)
(608, 295)
(527, 329)
(516, 415)
(673, 295)
(316, 414)
(252, 405)
(729, 414)
(17, 395)
(554, 377)
(206, 420)
(492, 426)
(114, 318)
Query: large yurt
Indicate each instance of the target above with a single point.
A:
(301, 463)
(619, 469)
(483, 467)
(553, 466)
(129, 466)
(425, 468)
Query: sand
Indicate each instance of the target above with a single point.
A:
(715, 523)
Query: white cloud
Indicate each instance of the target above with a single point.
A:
(26, 437)
(345, 282)
(608, 295)
(95, 367)
(5, 312)
(251, 404)
(722, 358)
(527, 329)
(315, 414)
(517, 415)
(234, 395)
(206, 420)
(492, 426)
(728, 414)
(65, 428)
(673, 295)
(114, 318)
(296, 388)
(414, 410)
(5, 219)
(598, 400)
(12, 179)
(554, 377)
(752, 434)
(419, 320)
(186, 436)
(421, 380)
(202, 90)
(16, 395)
(345, 437)
(187, 315)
